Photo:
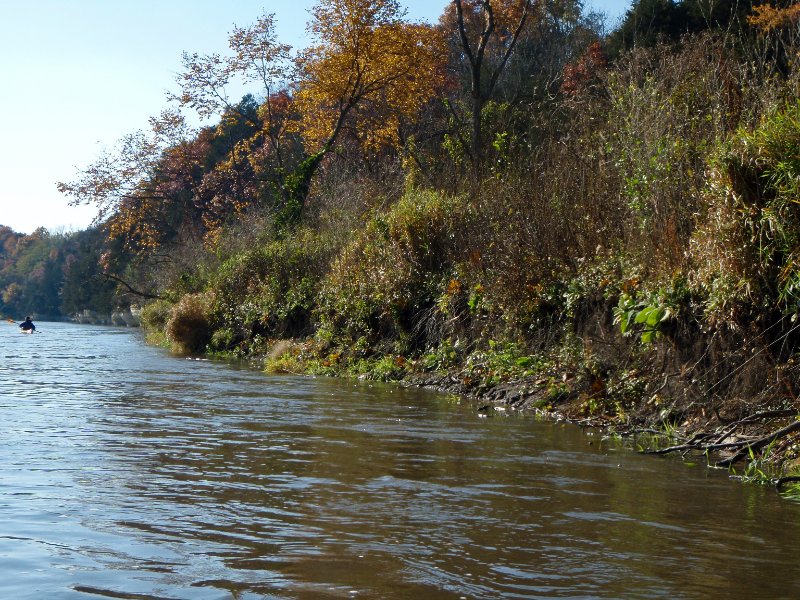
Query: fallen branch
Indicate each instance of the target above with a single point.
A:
(749, 420)
(759, 443)
(678, 448)
(768, 414)
(697, 442)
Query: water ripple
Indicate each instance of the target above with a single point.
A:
(127, 473)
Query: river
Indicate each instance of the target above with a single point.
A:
(128, 473)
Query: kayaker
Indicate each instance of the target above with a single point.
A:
(27, 325)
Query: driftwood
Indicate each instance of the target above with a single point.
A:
(715, 441)
(759, 443)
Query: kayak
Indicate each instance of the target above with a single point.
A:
(27, 330)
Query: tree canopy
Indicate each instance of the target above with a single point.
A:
(367, 72)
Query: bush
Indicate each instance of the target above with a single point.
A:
(394, 269)
(270, 290)
(190, 328)
(747, 248)
(155, 315)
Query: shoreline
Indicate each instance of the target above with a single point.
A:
(726, 445)
(754, 440)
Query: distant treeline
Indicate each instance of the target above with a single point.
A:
(52, 274)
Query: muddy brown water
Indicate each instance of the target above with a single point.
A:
(128, 473)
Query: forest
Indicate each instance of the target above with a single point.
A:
(53, 274)
(512, 203)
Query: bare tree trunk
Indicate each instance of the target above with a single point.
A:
(476, 63)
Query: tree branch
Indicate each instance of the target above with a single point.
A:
(131, 289)
(760, 443)
(701, 443)
(462, 32)
(510, 49)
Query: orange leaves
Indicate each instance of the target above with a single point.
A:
(767, 18)
(368, 72)
(454, 287)
(505, 14)
(135, 222)
(578, 76)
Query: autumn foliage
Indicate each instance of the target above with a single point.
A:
(587, 70)
(608, 206)
(367, 73)
(767, 18)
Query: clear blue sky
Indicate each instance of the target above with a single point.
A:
(77, 75)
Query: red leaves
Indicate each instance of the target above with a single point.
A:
(579, 75)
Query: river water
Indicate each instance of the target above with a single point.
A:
(128, 473)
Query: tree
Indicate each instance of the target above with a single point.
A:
(501, 23)
(258, 57)
(649, 21)
(768, 18)
(367, 72)
(32, 274)
(143, 186)
(84, 286)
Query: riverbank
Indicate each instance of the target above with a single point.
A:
(605, 341)
(717, 394)
(627, 257)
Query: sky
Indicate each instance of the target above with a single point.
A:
(78, 75)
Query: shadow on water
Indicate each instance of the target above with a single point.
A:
(127, 473)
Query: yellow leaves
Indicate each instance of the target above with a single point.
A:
(454, 287)
(134, 223)
(767, 18)
(369, 72)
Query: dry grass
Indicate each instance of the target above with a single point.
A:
(189, 329)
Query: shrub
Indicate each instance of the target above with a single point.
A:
(190, 328)
(155, 315)
(271, 289)
(393, 271)
(747, 248)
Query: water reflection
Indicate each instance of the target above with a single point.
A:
(126, 473)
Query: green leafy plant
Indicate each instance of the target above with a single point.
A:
(650, 317)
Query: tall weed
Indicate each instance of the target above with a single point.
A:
(190, 326)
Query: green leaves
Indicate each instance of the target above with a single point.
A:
(651, 317)
(624, 313)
